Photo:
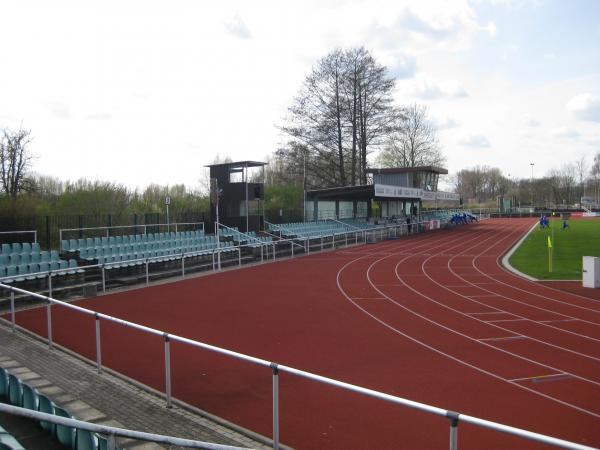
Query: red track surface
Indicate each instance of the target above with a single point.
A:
(432, 318)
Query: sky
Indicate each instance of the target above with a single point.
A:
(141, 92)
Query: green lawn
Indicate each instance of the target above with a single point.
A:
(582, 239)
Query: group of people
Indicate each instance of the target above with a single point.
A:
(462, 218)
(545, 222)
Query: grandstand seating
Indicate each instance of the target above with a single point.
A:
(27, 262)
(320, 228)
(131, 250)
(19, 393)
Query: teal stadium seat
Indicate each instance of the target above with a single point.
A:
(86, 440)
(3, 382)
(25, 247)
(6, 249)
(4, 259)
(65, 435)
(8, 442)
(44, 268)
(44, 256)
(15, 390)
(63, 265)
(15, 259)
(30, 397)
(74, 268)
(11, 272)
(16, 248)
(25, 258)
(54, 255)
(22, 271)
(36, 257)
(35, 247)
(46, 405)
(33, 271)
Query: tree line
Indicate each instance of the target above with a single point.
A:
(565, 185)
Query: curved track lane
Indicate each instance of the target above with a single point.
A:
(432, 318)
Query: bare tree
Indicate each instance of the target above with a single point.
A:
(414, 141)
(15, 160)
(342, 112)
(581, 168)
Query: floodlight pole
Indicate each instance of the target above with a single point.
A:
(246, 178)
(217, 233)
(532, 164)
(304, 190)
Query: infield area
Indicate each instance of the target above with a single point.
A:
(432, 318)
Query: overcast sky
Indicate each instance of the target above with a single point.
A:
(142, 92)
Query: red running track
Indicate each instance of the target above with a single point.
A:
(432, 318)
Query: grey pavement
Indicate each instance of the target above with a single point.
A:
(108, 399)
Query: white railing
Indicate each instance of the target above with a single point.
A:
(112, 432)
(115, 227)
(453, 417)
(34, 232)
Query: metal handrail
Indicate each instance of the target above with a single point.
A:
(452, 416)
(345, 224)
(22, 231)
(238, 232)
(112, 431)
(141, 225)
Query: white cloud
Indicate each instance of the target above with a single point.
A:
(585, 107)
(59, 109)
(402, 66)
(238, 28)
(445, 123)
(529, 121)
(425, 87)
(99, 116)
(428, 25)
(474, 140)
(565, 132)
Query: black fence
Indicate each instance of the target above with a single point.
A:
(284, 215)
(48, 227)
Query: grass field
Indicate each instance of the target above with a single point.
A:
(582, 239)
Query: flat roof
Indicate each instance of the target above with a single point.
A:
(435, 169)
(239, 164)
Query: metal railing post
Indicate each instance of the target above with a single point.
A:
(346, 236)
(240, 256)
(103, 280)
(182, 266)
(261, 252)
(275, 370)
(321, 242)
(167, 370)
(213, 260)
(147, 274)
(273, 251)
(292, 242)
(49, 321)
(49, 284)
(453, 416)
(98, 344)
(12, 310)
